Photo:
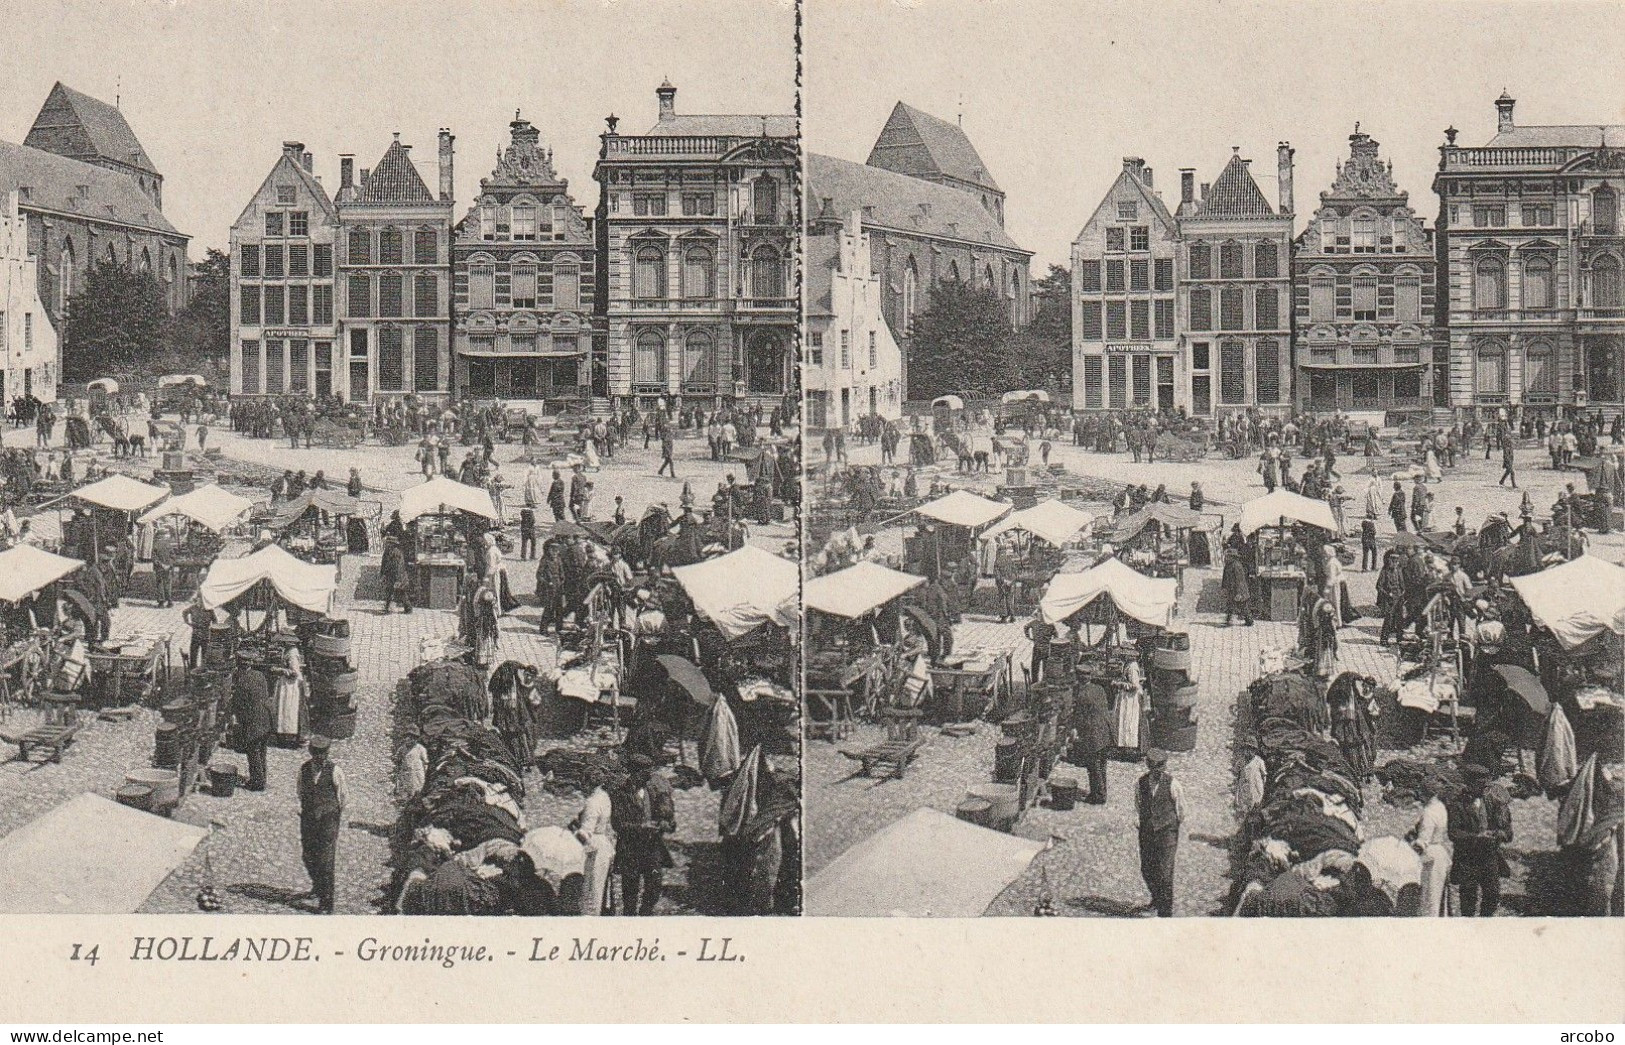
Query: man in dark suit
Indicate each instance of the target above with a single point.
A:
(163, 564)
(256, 719)
(1095, 736)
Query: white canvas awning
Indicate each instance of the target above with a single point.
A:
(1052, 521)
(742, 590)
(1576, 600)
(1150, 600)
(926, 865)
(1270, 509)
(306, 585)
(1036, 394)
(963, 508)
(856, 590)
(25, 569)
(121, 492)
(950, 402)
(441, 493)
(208, 506)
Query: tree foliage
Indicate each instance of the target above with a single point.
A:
(116, 323)
(201, 332)
(963, 341)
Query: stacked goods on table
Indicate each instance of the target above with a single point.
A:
(1173, 693)
(326, 646)
(462, 846)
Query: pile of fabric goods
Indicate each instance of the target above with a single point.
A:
(1307, 854)
(462, 843)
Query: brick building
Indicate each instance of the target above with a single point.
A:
(90, 193)
(1530, 250)
(524, 262)
(1363, 293)
(394, 277)
(696, 231)
(284, 326)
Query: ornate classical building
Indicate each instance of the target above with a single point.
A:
(696, 231)
(90, 193)
(394, 277)
(851, 365)
(525, 263)
(1531, 251)
(1363, 293)
(1235, 289)
(27, 338)
(932, 212)
(1125, 344)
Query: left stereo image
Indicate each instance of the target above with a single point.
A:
(400, 501)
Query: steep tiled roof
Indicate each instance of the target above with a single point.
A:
(53, 183)
(395, 179)
(1235, 194)
(919, 144)
(742, 126)
(894, 201)
(79, 126)
(820, 253)
(1583, 135)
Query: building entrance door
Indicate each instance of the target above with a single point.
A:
(360, 372)
(1201, 395)
(1322, 390)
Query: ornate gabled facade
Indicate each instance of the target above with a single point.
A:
(1530, 248)
(28, 358)
(1125, 344)
(394, 282)
(1363, 293)
(525, 264)
(851, 364)
(284, 323)
(1235, 289)
(696, 228)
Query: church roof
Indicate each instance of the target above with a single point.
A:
(895, 201)
(53, 181)
(78, 126)
(741, 126)
(919, 144)
(395, 179)
(1582, 135)
(1235, 194)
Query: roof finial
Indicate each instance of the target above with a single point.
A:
(960, 117)
(118, 91)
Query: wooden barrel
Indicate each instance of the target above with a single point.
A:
(1175, 697)
(336, 684)
(337, 646)
(974, 811)
(136, 796)
(1063, 791)
(1007, 759)
(1171, 659)
(180, 713)
(166, 749)
(1003, 799)
(336, 725)
(174, 461)
(164, 784)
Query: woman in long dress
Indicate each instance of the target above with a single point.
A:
(1352, 729)
(289, 694)
(1130, 708)
(593, 830)
(1430, 462)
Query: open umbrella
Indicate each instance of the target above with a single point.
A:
(1406, 539)
(1523, 682)
(687, 677)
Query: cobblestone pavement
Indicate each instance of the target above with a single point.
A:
(1092, 864)
(254, 850)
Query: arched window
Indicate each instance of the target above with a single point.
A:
(1605, 210)
(1537, 282)
(987, 279)
(764, 363)
(699, 359)
(360, 247)
(766, 274)
(1491, 368)
(1201, 308)
(765, 200)
(1266, 261)
(1605, 284)
(1540, 368)
(425, 295)
(1490, 283)
(566, 284)
(426, 247)
(173, 272)
(699, 275)
(649, 358)
(146, 260)
(911, 290)
(953, 271)
(66, 276)
(482, 285)
(391, 250)
(649, 273)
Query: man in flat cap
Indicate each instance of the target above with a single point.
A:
(321, 808)
(642, 813)
(1159, 803)
(1480, 822)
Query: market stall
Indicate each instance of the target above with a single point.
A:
(323, 525)
(949, 533)
(1161, 540)
(199, 522)
(28, 612)
(447, 519)
(105, 512)
(1285, 531)
(851, 648)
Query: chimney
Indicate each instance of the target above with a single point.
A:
(1133, 165)
(346, 172)
(1283, 162)
(668, 101)
(1145, 176)
(1503, 109)
(1187, 185)
(309, 162)
(446, 138)
(293, 150)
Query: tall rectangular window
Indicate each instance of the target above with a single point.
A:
(1201, 261)
(1091, 321)
(1163, 274)
(359, 293)
(1266, 309)
(321, 303)
(1232, 372)
(1164, 318)
(1365, 235)
(1091, 382)
(273, 223)
(299, 365)
(426, 247)
(1116, 321)
(874, 355)
(1267, 371)
(1142, 380)
(273, 261)
(482, 287)
(1139, 275)
(391, 248)
(567, 285)
(248, 306)
(248, 263)
(1140, 320)
(1322, 299)
(1232, 309)
(299, 223)
(1088, 276)
(1117, 381)
(1231, 263)
(846, 350)
(1489, 215)
(1408, 299)
(426, 295)
(524, 286)
(299, 305)
(1365, 298)
(1114, 277)
(275, 381)
(1139, 238)
(299, 259)
(1201, 308)
(323, 264)
(274, 311)
(249, 364)
(391, 360)
(426, 359)
(1114, 239)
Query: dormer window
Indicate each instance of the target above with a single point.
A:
(286, 195)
